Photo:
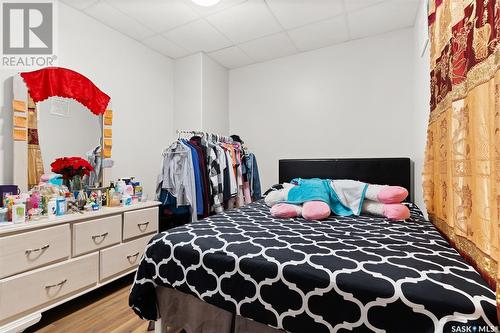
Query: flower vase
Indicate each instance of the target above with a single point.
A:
(67, 182)
(76, 184)
(77, 189)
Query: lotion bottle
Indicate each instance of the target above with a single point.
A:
(19, 211)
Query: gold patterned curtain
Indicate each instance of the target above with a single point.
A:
(462, 158)
(35, 162)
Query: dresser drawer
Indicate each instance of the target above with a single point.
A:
(123, 257)
(45, 285)
(140, 222)
(96, 234)
(22, 252)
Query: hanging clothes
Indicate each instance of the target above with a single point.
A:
(197, 177)
(177, 176)
(251, 172)
(240, 201)
(205, 175)
(232, 175)
(221, 159)
(197, 141)
(215, 176)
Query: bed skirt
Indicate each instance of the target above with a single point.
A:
(180, 311)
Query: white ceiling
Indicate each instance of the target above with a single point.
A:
(237, 33)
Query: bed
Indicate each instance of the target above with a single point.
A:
(245, 271)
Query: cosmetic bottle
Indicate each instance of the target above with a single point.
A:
(61, 206)
(121, 187)
(109, 193)
(52, 208)
(99, 199)
(19, 211)
(3, 214)
(138, 189)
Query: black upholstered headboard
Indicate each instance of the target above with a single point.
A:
(384, 171)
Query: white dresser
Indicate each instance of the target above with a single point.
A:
(46, 263)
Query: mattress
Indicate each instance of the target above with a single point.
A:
(361, 273)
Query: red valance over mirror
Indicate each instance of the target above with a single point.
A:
(63, 82)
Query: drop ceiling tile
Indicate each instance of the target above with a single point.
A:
(244, 22)
(158, 15)
(198, 36)
(223, 4)
(165, 47)
(297, 13)
(383, 17)
(320, 34)
(269, 47)
(231, 57)
(79, 4)
(351, 5)
(115, 19)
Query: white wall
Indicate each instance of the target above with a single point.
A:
(349, 100)
(215, 97)
(188, 99)
(139, 81)
(200, 94)
(421, 100)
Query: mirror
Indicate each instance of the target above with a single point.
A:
(66, 128)
(72, 118)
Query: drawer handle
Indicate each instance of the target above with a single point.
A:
(140, 225)
(99, 236)
(28, 251)
(132, 255)
(57, 284)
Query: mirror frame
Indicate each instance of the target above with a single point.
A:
(20, 104)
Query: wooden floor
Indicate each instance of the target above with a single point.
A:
(103, 310)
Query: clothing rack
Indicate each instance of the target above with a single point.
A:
(221, 138)
(201, 177)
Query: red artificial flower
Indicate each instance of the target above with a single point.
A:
(70, 167)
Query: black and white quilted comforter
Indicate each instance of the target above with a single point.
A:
(345, 273)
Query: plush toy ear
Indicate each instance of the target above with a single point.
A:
(274, 197)
(276, 194)
(273, 188)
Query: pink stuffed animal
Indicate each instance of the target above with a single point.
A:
(316, 199)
